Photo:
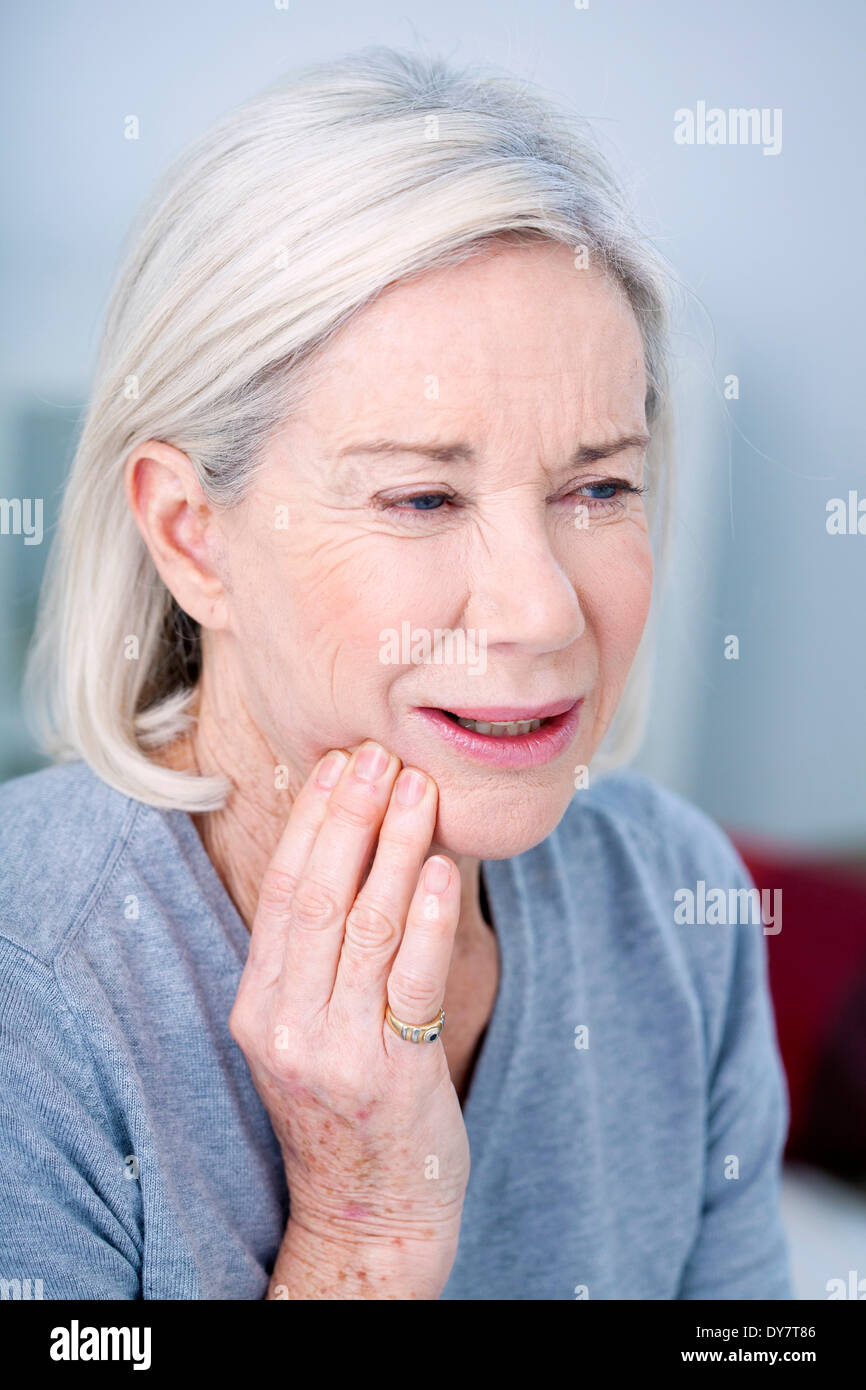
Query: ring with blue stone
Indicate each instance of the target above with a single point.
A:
(416, 1032)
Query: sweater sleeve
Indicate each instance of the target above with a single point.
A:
(741, 1249)
(68, 1210)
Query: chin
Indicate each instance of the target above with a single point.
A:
(498, 830)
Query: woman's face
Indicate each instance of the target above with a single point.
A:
(432, 484)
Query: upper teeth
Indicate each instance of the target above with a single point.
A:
(517, 726)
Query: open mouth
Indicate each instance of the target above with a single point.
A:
(512, 729)
(506, 736)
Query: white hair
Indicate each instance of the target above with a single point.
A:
(260, 242)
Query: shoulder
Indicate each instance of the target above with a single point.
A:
(62, 830)
(666, 830)
(633, 851)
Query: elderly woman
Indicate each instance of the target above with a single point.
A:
(353, 570)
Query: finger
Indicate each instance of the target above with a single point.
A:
(376, 921)
(416, 984)
(270, 924)
(331, 877)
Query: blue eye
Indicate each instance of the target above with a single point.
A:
(617, 489)
(612, 493)
(421, 502)
(425, 500)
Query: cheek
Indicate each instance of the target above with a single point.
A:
(319, 604)
(617, 602)
(372, 584)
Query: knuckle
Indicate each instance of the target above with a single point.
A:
(369, 927)
(354, 817)
(277, 889)
(416, 987)
(401, 848)
(313, 904)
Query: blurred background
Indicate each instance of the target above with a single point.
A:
(768, 360)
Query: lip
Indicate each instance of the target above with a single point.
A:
(522, 750)
(506, 714)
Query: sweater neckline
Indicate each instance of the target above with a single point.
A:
(497, 1044)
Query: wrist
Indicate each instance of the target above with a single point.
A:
(316, 1262)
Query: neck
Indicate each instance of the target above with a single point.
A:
(241, 837)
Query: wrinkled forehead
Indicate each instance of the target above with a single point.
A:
(516, 346)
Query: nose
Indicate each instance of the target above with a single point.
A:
(521, 596)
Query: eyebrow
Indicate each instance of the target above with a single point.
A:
(459, 452)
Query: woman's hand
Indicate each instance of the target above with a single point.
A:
(370, 1126)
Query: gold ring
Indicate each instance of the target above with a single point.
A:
(416, 1032)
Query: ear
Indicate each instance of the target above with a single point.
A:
(180, 529)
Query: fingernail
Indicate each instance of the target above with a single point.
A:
(328, 774)
(436, 875)
(371, 762)
(410, 787)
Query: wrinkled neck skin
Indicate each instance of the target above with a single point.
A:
(241, 837)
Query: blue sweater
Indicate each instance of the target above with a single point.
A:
(626, 1114)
